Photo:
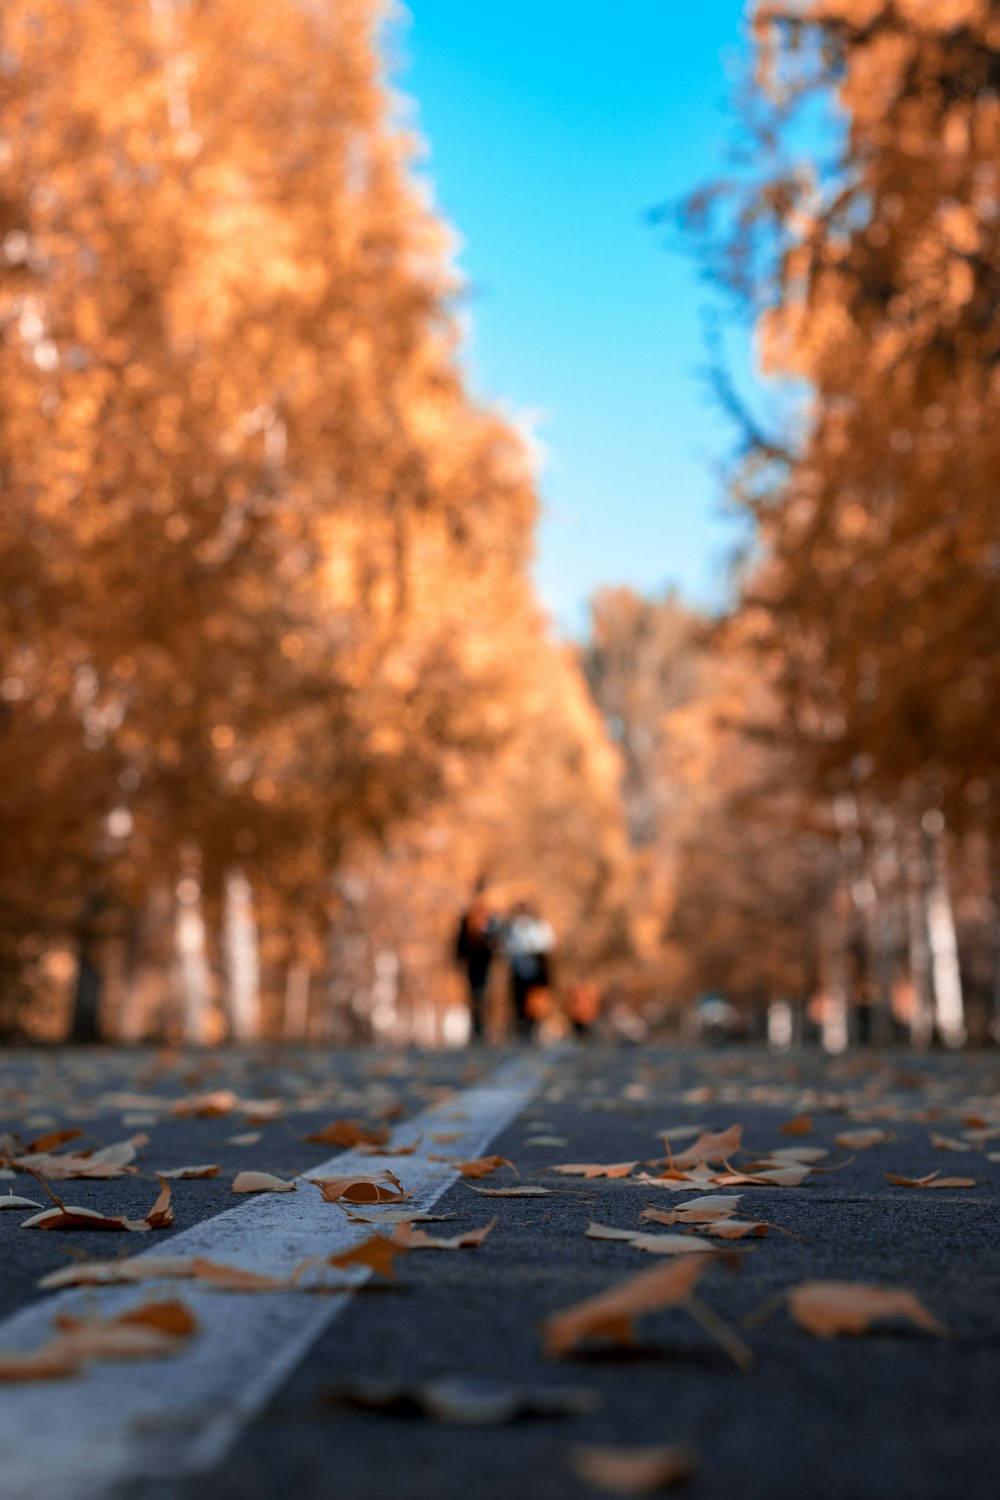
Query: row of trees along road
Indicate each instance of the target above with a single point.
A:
(264, 603)
(865, 244)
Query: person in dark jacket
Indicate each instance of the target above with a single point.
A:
(475, 946)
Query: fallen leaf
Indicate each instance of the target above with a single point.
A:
(828, 1308)
(464, 1402)
(862, 1140)
(361, 1187)
(11, 1200)
(778, 1177)
(53, 1361)
(711, 1148)
(177, 1173)
(483, 1166)
(522, 1190)
(205, 1106)
(261, 1182)
(545, 1140)
(349, 1133)
(596, 1169)
(400, 1216)
(141, 1333)
(110, 1161)
(932, 1180)
(611, 1315)
(227, 1278)
(633, 1471)
(417, 1239)
(948, 1143)
(248, 1138)
(63, 1216)
(54, 1139)
(699, 1210)
(652, 1244)
(118, 1272)
(376, 1252)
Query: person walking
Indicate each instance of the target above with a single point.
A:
(527, 943)
(475, 947)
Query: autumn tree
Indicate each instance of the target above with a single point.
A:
(866, 249)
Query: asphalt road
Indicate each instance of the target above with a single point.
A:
(897, 1413)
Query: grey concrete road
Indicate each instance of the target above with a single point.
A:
(897, 1412)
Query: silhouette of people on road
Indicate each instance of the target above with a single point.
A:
(475, 946)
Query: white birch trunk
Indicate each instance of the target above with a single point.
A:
(949, 1007)
(242, 957)
(192, 961)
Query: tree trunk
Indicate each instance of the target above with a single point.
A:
(242, 959)
(192, 961)
(85, 1026)
(922, 1016)
(949, 1007)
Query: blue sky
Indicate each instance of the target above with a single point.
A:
(552, 128)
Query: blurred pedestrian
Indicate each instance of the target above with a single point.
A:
(527, 944)
(476, 944)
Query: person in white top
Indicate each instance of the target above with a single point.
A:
(527, 942)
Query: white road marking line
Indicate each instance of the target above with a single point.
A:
(76, 1439)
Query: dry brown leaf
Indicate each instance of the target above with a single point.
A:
(205, 1106)
(596, 1169)
(704, 1210)
(53, 1361)
(713, 1148)
(261, 1182)
(467, 1403)
(49, 1142)
(177, 1173)
(118, 1272)
(140, 1333)
(410, 1149)
(376, 1252)
(932, 1180)
(233, 1278)
(862, 1140)
(828, 1308)
(445, 1137)
(11, 1200)
(523, 1190)
(948, 1143)
(64, 1216)
(104, 1164)
(777, 1177)
(362, 1187)
(480, 1166)
(633, 1471)
(611, 1315)
(349, 1133)
(399, 1216)
(652, 1244)
(248, 1138)
(800, 1125)
(736, 1229)
(409, 1238)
